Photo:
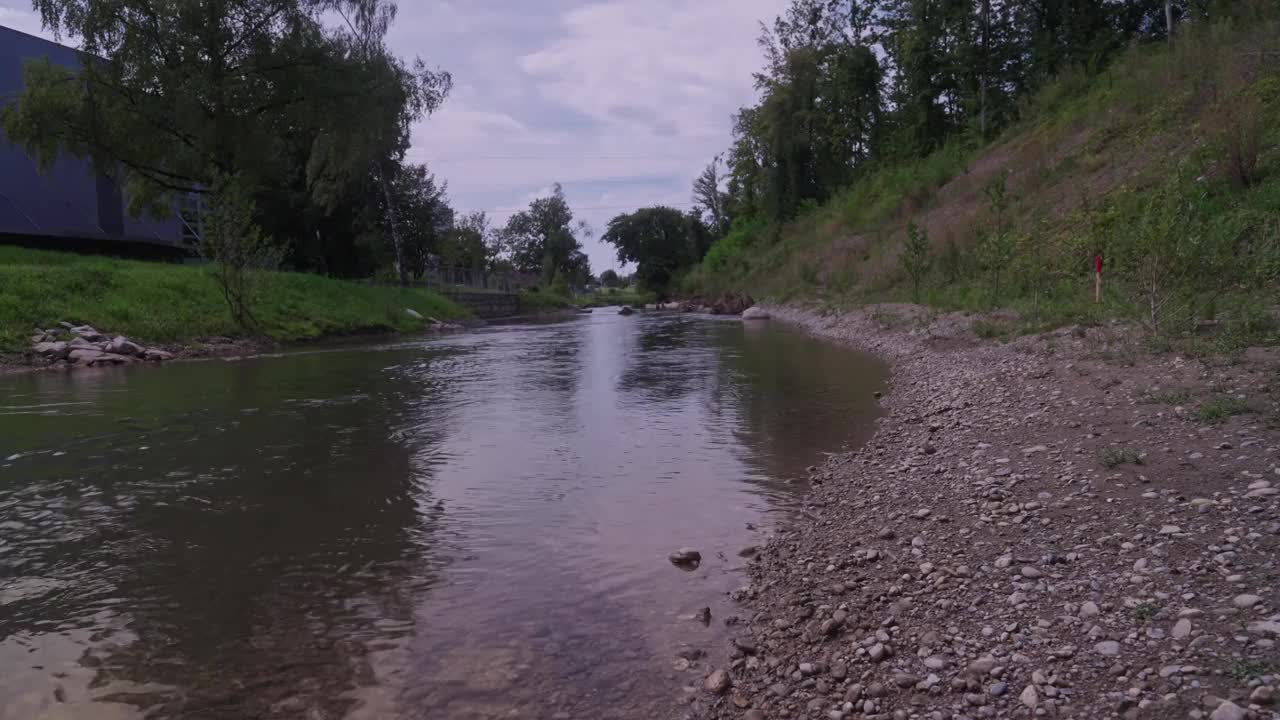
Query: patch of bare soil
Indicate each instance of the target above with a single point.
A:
(1061, 526)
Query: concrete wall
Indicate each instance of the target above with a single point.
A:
(487, 305)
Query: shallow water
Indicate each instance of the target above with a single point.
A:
(474, 526)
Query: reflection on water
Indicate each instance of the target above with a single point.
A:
(470, 527)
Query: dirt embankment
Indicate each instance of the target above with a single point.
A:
(1061, 526)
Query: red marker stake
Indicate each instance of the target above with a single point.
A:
(1097, 278)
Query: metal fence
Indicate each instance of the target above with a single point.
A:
(449, 277)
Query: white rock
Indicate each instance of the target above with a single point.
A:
(1110, 648)
(1089, 609)
(1029, 697)
(1245, 601)
(755, 313)
(1228, 711)
(1181, 629)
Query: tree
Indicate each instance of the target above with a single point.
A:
(467, 244)
(425, 219)
(544, 239)
(308, 116)
(915, 258)
(996, 249)
(609, 279)
(660, 240)
(237, 248)
(710, 200)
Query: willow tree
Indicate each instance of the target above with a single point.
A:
(183, 96)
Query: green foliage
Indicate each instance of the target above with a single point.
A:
(1145, 612)
(168, 303)
(1243, 670)
(915, 258)
(609, 279)
(314, 115)
(998, 245)
(661, 241)
(544, 239)
(1114, 457)
(540, 301)
(240, 255)
(1219, 409)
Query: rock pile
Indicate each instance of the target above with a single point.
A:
(83, 345)
(978, 558)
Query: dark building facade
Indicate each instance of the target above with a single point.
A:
(69, 206)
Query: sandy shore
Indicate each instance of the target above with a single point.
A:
(1061, 526)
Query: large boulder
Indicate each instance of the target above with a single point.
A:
(121, 345)
(51, 350)
(755, 313)
(625, 310)
(97, 358)
(157, 355)
(79, 343)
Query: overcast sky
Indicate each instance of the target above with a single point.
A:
(621, 101)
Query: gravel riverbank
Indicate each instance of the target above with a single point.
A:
(1060, 526)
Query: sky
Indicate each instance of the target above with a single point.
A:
(623, 102)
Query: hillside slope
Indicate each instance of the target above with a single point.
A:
(1167, 163)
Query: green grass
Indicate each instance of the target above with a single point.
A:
(1114, 457)
(1216, 410)
(1244, 670)
(617, 296)
(1170, 397)
(170, 303)
(1096, 160)
(537, 301)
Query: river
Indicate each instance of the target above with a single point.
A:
(469, 526)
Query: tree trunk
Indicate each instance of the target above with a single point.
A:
(393, 227)
(1168, 19)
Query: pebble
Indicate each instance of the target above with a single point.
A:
(685, 556)
(1181, 629)
(1244, 602)
(718, 682)
(1109, 648)
(1029, 697)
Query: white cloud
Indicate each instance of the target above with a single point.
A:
(17, 14)
(621, 101)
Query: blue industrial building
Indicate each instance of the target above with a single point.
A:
(70, 206)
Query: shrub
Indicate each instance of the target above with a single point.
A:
(915, 257)
(1217, 410)
(1114, 457)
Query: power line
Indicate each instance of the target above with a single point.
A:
(598, 207)
(468, 158)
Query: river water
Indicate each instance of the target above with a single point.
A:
(473, 526)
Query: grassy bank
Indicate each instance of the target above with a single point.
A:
(165, 303)
(605, 297)
(1167, 163)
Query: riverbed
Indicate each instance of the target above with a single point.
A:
(471, 526)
